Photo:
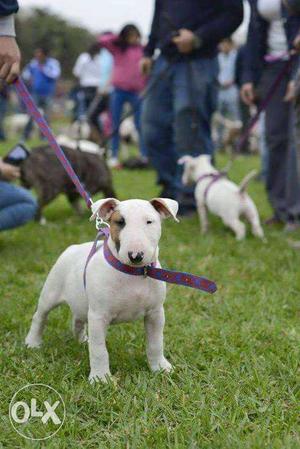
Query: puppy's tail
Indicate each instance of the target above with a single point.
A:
(246, 180)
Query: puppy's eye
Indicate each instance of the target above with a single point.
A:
(120, 222)
(149, 221)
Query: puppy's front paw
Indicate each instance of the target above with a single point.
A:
(96, 377)
(33, 342)
(162, 365)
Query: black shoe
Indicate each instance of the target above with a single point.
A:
(186, 211)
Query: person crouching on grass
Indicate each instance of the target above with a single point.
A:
(17, 205)
(127, 82)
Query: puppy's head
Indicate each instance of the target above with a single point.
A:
(135, 226)
(193, 167)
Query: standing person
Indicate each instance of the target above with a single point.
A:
(127, 82)
(10, 57)
(178, 110)
(228, 95)
(41, 74)
(272, 31)
(93, 70)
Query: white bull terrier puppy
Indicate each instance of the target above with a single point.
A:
(220, 196)
(110, 295)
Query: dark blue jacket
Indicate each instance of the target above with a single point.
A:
(8, 7)
(256, 47)
(211, 20)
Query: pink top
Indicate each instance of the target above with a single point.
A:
(126, 72)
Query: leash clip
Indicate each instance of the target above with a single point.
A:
(145, 272)
(100, 223)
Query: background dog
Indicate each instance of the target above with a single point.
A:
(223, 197)
(42, 171)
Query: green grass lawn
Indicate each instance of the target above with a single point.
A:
(236, 353)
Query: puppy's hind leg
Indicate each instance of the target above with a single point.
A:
(79, 329)
(49, 299)
(252, 216)
(237, 226)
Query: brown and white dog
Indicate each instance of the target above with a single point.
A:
(44, 173)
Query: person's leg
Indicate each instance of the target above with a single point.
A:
(232, 103)
(264, 153)
(95, 113)
(17, 206)
(195, 100)
(245, 118)
(292, 175)
(277, 139)
(40, 103)
(221, 108)
(117, 100)
(137, 104)
(157, 126)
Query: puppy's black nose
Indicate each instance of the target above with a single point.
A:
(135, 257)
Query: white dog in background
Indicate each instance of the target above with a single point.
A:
(111, 296)
(221, 197)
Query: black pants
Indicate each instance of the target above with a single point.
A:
(282, 180)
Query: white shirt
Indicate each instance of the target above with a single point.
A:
(93, 72)
(270, 10)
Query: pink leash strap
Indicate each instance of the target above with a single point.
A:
(33, 111)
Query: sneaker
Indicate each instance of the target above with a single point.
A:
(114, 162)
(274, 220)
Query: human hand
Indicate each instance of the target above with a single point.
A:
(10, 172)
(146, 66)
(10, 59)
(185, 41)
(290, 92)
(296, 43)
(247, 93)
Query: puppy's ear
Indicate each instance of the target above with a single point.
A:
(104, 208)
(165, 207)
(184, 159)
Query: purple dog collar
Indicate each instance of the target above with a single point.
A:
(214, 178)
(172, 277)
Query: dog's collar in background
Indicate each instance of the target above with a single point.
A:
(214, 178)
(160, 274)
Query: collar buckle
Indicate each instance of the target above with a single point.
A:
(145, 272)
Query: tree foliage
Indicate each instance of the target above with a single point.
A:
(40, 27)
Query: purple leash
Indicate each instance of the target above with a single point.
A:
(160, 274)
(46, 131)
(172, 277)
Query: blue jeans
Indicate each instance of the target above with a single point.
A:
(228, 106)
(17, 206)
(117, 101)
(43, 103)
(177, 117)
